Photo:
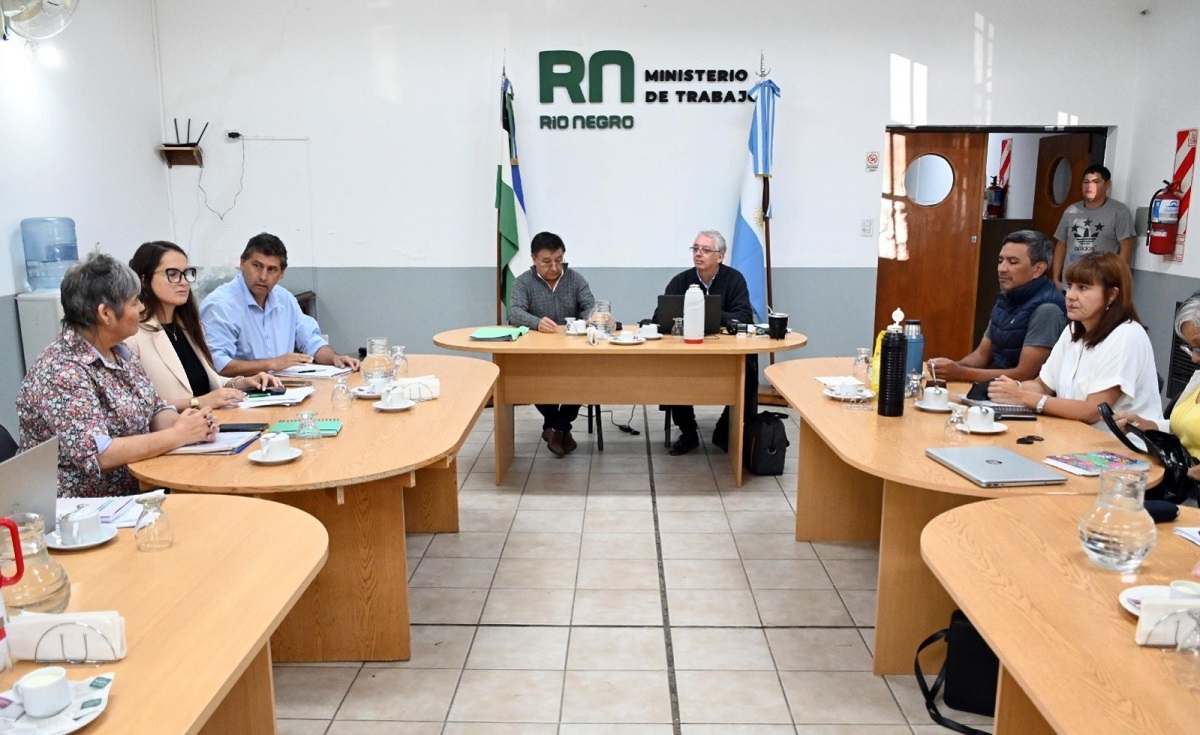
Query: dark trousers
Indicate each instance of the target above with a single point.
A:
(685, 416)
(557, 417)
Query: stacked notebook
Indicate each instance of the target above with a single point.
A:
(1091, 464)
(328, 427)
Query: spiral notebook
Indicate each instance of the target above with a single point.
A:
(328, 427)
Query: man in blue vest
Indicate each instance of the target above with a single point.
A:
(1028, 318)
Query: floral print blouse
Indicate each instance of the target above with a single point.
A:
(72, 391)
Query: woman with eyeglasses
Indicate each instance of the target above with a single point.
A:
(1185, 412)
(170, 339)
(1103, 356)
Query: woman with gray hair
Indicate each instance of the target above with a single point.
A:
(89, 389)
(1185, 416)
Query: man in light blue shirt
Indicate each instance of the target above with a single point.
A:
(253, 327)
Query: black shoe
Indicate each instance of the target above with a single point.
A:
(555, 443)
(546, 434)
(568, 442)
(686, 442)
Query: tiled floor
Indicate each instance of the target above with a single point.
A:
(623, 592)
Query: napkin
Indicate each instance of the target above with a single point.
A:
(67, 636)
(424, 388)
(1163, 622)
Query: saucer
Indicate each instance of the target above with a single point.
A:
(997, 428)
(107, 533)
(1138, 594)
(653, 337)
(932, 409)
(569, 333)
(362, 391)
(855, 394)
(293, 452)
(402, 406)
(634, 341)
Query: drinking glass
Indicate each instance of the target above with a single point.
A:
(341, 397)
(677, 328)
(862, 365)
(399, 362)
(153, 531)
(307, 433)
(956, 425)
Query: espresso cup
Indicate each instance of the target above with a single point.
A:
(777, 325)
(936, 398)
(648, 330)
(1184, 589)
(274, 445)
(394, 397)
(45, 692)
(80, 526)
(980, 418)
(627, 336)
(576, 326)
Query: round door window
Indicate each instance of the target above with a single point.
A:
(1060, 180)
(928, 180)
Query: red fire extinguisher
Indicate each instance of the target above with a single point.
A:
(995, 199)
(1164, 219)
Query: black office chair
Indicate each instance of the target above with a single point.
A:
(8, 447)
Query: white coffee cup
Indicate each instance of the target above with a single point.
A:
(1184, 589)
(936, 398)
(274, 445)
(980, 418)
(648, 330)
(627, 336)
(393, 397)
(576, 326)
(80, 526)
(44, 692)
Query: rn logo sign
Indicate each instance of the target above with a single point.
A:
(567, 70)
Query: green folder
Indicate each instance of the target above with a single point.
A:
(328, 427)
(498, 334)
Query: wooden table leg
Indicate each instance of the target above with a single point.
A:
(834, 501)
(910, 602)
(503, 431)
(432, 505)
(1015, 713)
(737, 417)
(357, 607)
(249, 707)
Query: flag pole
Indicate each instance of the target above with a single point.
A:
(500, 272)
(766, 204)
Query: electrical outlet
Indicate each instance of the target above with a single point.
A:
(867, 228)
(232, 135)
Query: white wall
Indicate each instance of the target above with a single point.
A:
(78, 139)
(1163, 105)
(397, 105)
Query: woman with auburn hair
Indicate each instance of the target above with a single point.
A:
(1103, 356)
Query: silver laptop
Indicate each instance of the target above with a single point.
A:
(29, 483)
(995, 466)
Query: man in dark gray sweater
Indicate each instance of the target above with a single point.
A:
(543, 298)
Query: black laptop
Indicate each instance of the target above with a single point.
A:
(670, 308)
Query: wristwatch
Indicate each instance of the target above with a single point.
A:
(195, 402)
(1041, 404)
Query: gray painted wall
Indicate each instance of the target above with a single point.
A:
(12, 364)
(1155, 295)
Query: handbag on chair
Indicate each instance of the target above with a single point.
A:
(1176, 486)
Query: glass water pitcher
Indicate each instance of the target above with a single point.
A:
(377, 365)
(44, 587)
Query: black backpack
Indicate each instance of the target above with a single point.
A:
(764, 446)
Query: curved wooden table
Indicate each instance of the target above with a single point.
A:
(864, 477)
(198, 616)
(383, 475)
(1067, 656)
(555, 368)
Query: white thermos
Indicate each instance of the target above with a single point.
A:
(693, 315)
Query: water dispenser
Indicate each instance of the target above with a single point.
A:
(50, 249)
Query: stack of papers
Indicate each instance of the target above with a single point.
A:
(121, 512)
(227, 442)
(290, 397)
(1191, 533)
(328, 427)
(839, 381)
(313, 370)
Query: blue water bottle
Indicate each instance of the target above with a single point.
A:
(914, 363)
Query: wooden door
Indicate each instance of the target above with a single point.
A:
(929, 254)
(1076, 149)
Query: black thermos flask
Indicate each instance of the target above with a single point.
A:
(892, 356)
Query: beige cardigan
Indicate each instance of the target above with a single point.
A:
(153, 347)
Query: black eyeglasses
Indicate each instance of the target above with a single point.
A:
(174, 275)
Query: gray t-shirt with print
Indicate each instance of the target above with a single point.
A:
(1097, 230)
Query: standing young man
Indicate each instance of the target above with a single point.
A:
(1096, 224)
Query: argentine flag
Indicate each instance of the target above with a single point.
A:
(748, 251)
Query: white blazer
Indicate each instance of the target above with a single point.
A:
(153, 347)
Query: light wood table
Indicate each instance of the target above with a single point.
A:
(385, 474)
(1066, 650)
(198, 616)
(865, 477)
(556, 368)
